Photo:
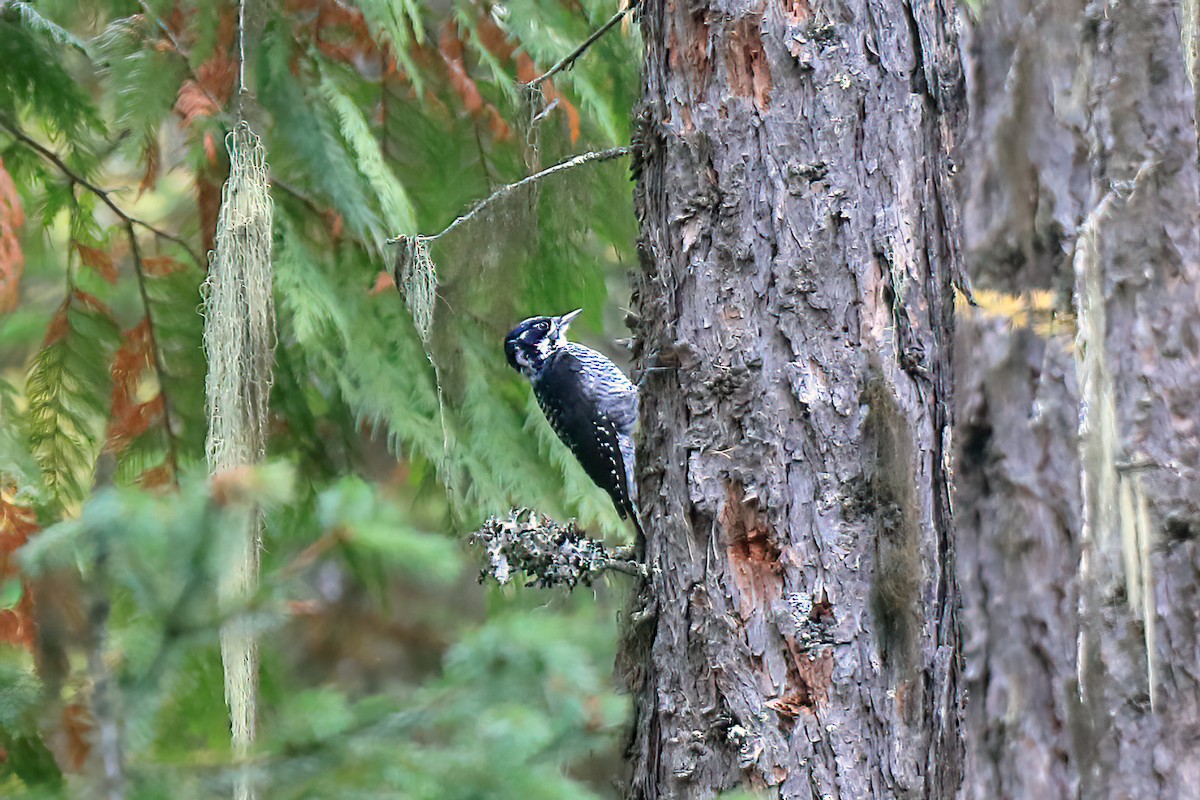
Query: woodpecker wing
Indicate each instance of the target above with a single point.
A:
(604, 381)
(592, 407)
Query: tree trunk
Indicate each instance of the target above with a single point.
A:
(1017, 522)
(1137, 269)
(798, 241)
(1017, 501)
(1081, 178)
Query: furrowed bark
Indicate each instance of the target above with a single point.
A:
(798, 242)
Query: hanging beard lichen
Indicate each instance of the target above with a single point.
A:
(239, 341)
(414, 273)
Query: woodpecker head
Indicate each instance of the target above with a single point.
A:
(529, 344)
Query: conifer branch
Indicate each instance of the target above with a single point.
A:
(183, 51)
(175, 625)
(315, 209)
(139, 270)
(507, 189)
(296, 194)
(102, 194)
(569, 60)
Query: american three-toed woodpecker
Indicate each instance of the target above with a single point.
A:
(586, 398)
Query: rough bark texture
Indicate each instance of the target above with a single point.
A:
(1080, 176)
(1017, 498)
(798, 242)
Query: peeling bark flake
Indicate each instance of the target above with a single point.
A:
(797, 12)
(752, 553)
(746, 61)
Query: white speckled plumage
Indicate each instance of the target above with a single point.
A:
(616, 393)
(588, 401)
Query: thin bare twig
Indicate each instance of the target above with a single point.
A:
(503, 191)
(103, 194)
(569, 60)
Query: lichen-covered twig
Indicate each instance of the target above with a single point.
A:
(548, 552)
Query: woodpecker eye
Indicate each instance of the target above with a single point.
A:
(543, 326)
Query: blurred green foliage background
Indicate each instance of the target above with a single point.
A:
(388, 671)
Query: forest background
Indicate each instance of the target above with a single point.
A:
(385, 664)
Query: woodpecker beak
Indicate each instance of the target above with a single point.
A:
(566, 319)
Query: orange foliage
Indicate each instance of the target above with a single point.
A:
(12, 260)
(88, 300)
(208, 202)
(57, 328)
(566, 105)
(527, 72)
(193, 104)
(234, 485)
(496, 123)
(153, 157)
(157, 477)
(218, 73)
(17, 524)
(134, 420)
(215, 77)
(160, 265)
(210, 148)
(337, 223)
(494, 38)
(391, 69)
(131, 358)
(99, 260)
(497, 43)
(339, 31)
(77, 725)
(383, 282)
(450, 47)
(131, 419)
